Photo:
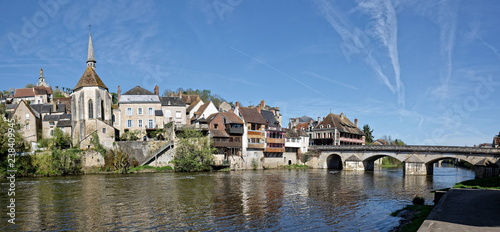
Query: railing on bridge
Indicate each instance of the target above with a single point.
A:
(409, 148)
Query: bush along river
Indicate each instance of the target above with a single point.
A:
(269, 200)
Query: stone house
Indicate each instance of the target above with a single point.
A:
(30, 121)
(140, 110)
(226, 131)
(337, 129)
(192, 109)
(174, 110)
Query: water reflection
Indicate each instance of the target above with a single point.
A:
(244, 200)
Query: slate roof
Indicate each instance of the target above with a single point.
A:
(24, 92)
(269, 117)
(10, 106)
(89, 78)
(252, 115)
(139, 99)
(62, 117)
(138, 90)
(341, 122)
(172, 101)
(64, 123)
(47, 108)
(305, 119)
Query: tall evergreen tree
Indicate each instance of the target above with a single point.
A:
(368, 133)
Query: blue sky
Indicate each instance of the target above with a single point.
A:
(426, 72)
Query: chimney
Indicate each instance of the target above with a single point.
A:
(356, 122)
(258, 108)
(262, 104)
(319, 120)
(341, 114)
(54, 106)
(157, 90)
(119, 93)
(180, 94)
(237, 104)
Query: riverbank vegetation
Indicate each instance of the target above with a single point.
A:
(193, 152)
(147, 168)
(483, 183)
(294, 166)
(413, 217)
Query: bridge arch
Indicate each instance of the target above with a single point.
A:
(334, 161)
(369, 162)
(429, 165)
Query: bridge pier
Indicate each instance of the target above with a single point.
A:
(414, 168)
(353, 163)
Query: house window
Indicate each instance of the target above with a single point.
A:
(140, 123)
(151, 111)
(150, 123)
(103, 130)
(27, 116)
(27, 126)
(113, 118)
(178, 114)
(51, 123)
(91, 109)
(139, 111)
(129, 123)
(216, 126)
(129, 111)
(51, 132)
(168, 114)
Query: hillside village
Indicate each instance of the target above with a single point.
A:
(242, 133)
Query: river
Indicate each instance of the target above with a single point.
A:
(265, 200)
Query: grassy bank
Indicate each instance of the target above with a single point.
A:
(483, 183)
(414, 215)
(294, 166)
(147, 168)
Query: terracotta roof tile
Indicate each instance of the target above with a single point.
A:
(341, 122)
(24, 92)
(252, 115)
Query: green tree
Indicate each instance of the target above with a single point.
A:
(193, 152)
(58, 93)
(10, 138)
(29, 86)
(61, 140)
(368, 133)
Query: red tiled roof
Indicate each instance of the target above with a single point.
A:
(24, 92)
(42, 90)
(252, 115)
(341, 122)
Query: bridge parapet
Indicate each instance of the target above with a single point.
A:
(410, 148)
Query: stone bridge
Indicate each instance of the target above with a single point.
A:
(417, 160)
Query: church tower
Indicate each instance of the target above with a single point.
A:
(91, 107)
(41, 80)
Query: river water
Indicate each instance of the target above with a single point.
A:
(265, 200)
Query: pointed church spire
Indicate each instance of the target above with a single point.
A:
(90, 55)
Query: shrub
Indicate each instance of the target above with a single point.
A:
(418, 200)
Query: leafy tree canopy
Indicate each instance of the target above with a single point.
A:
(205, 95)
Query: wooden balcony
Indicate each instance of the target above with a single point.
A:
(256, 145)
(271, 140)
(274, 149)
(232, 142)
(256, 134)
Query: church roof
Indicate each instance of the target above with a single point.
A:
(89, 78)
